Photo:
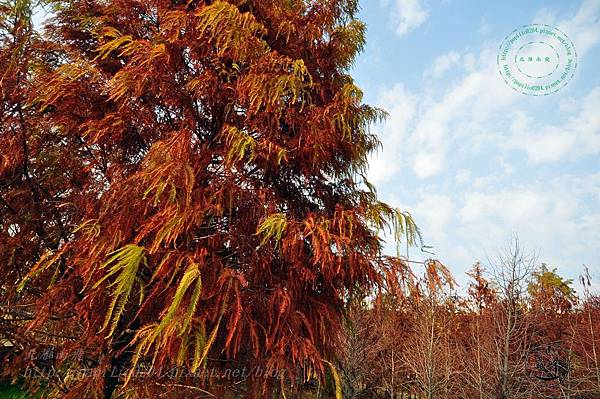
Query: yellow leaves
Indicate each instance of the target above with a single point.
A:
(176, 324)
(378, 214)
(270, 90)
(300, 79)
(404, 225)
(400, 223)
(349, 116)
(349, 40)
(191, 274)
(347, 119)
(200, 345)
(159, 188)
(141, 54)
(199, 358)
(272, 227)
(131, 79)
(168, 232)
(144, 337)
(167, 226)
(240, 144)
(158, 50)
(336, 380)
(222, 23)
(193, 84)
(124, 82)
(125, 264)
(117, 41)
(351, 93)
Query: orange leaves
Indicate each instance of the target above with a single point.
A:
(273, 151)
(169, 181)
(174, 24)
(63, 84)
(233, 282)
(109, 127)
(222, 142)
(279, 306)
(229, 277)
(232, 325)
(330, 238)
(480, 290)
(317, 231)
(141, 58)
(437, 275)
(46, 261)
(167, 170)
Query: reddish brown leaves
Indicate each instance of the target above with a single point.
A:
(222, 143)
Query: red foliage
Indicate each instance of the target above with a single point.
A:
(184, 180)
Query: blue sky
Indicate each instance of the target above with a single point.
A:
(474, 161)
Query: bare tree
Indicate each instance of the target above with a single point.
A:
(511, 270)
(427, 353)
(592, 355)
(477, 358)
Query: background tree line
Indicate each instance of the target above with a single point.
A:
(518, 331)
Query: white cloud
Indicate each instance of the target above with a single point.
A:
(430, 126)
(559, 219)
(462, 176)
(547, 215)
(583, 28)
(401, 106)
(484, 27)
(437, 211)
(441, 64)
(460, 113)
(469, 62)
(427, 164)
(577, 136)
(408, 15)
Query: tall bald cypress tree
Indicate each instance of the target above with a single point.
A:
(198, 196)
